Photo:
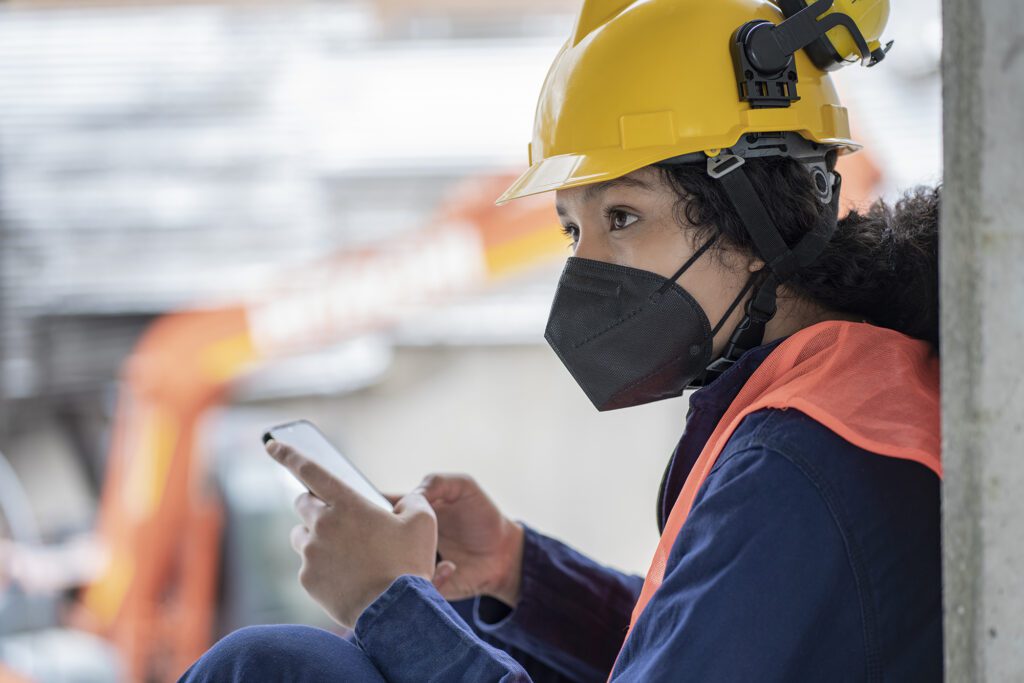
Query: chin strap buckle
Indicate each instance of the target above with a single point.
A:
(749, 333)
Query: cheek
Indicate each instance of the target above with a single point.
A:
(706, 288)
(712, 286)
(658, 248)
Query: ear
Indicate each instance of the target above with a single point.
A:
(738, 261)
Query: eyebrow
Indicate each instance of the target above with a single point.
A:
(591, 191)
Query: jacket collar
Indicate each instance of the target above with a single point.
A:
(707, 406)
(719, 394)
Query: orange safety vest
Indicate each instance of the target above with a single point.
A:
(874, 387)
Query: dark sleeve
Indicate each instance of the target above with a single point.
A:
(572, 613)
(413, 635)
(758, 585)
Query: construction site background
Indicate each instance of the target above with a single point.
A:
(258, 163)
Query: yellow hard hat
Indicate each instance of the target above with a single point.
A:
(641, 81)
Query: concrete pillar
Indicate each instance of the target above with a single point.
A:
(4, 317)
(982, 270)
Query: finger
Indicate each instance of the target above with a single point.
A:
(298, 537)
(319, 481)
(309, 508)
(413, 504)
(393, 498)
(443, 488)
(442, 573)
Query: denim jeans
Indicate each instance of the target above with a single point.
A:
(304, 654)
(283, 653)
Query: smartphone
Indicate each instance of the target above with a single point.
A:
(303, 436)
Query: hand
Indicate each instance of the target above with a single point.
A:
(351, 549)
(481, 549)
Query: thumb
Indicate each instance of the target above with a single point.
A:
(442, 573)
(412, 505)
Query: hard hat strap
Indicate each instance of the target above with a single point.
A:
(781, 262)
(749, 333)
(751, 282)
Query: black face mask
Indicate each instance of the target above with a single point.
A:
(630, 336)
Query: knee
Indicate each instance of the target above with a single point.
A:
(268, 653)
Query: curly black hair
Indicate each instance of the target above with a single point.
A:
(881, 264)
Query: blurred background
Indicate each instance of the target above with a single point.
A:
(219, 217)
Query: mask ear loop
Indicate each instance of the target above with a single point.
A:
(689, 262)
(751, 281)
(750, 331)
(756, 279)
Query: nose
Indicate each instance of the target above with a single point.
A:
(590, 246)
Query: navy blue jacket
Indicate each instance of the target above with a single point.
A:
(804, 558)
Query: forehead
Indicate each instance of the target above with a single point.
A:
(644, 180)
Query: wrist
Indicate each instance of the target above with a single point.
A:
(507, 586)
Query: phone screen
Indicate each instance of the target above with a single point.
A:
(304, 437)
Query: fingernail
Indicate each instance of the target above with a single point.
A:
(273, 447)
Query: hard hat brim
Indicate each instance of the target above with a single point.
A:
(564, 171)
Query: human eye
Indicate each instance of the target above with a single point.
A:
(572, 232)
(620, 220)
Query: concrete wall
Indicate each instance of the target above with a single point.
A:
(983, 332)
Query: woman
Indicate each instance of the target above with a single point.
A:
(800, 510)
